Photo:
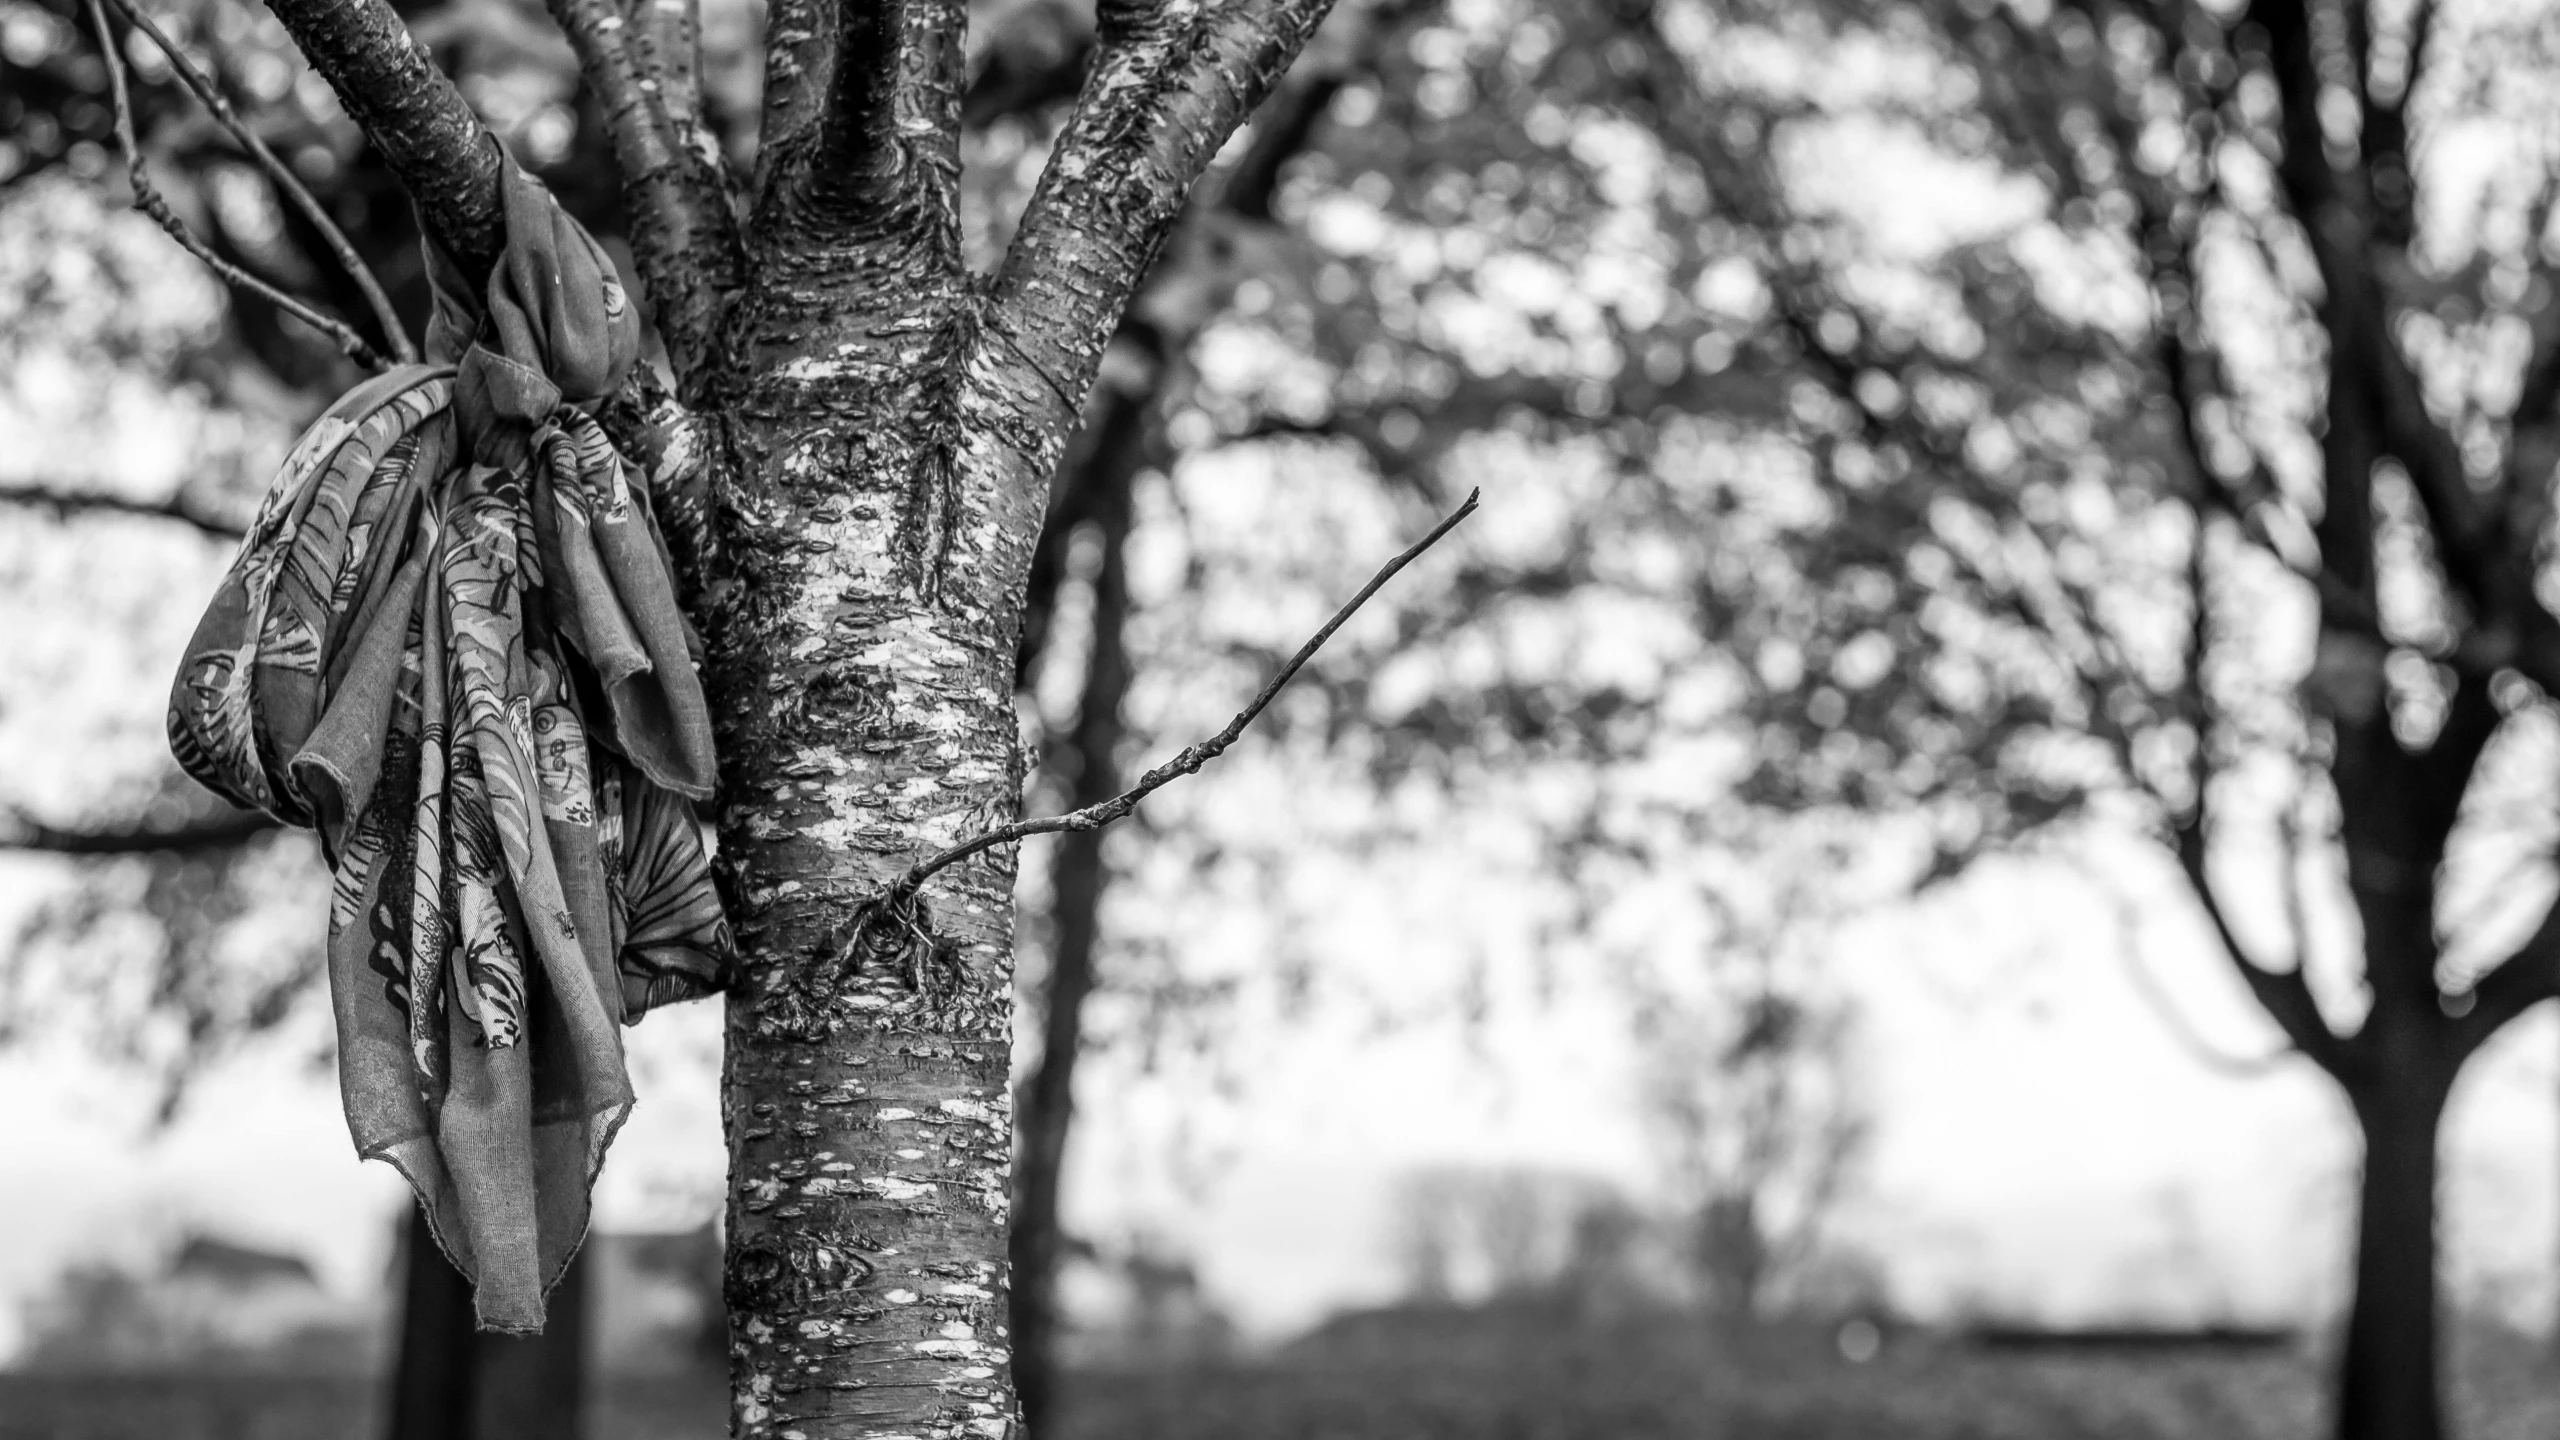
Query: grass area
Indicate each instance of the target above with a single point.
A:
(304, 1407)
(1479, 1378)
(1672, 1381)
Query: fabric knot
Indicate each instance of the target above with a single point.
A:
(551, 324)
(450, 644)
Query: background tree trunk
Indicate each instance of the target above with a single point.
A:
(1087, 759)
(451, 1382)
(2392, 1359)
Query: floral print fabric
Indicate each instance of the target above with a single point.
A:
(451, 645)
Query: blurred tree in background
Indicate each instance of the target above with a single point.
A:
(2200, 482)
(2189, 475)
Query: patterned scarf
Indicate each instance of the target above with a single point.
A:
(451, 645)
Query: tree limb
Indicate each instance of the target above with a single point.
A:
(1094, 817)
(179, 507)
(2514, 985)
(148, 199)
(219, 832)
(641, 60)
(2284, 994)
(279, 174)
(2173, 1017)
(390, 86)
(862, 124)
(1166, 90)
(2337, 214)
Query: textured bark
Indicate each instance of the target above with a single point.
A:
(412, 113)
(1166, 90)
(861, 725)
(1088, 761)
(641, 61)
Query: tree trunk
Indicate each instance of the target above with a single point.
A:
(2390, 1369)
(874, 428)
(1079, 878)
(451, 1382)
(431, 1389)
(862, 614)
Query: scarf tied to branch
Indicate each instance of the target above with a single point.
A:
(450, 644)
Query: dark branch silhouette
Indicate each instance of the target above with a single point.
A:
(280, 174)
(148, 199)
(66, 502)
(19, 832)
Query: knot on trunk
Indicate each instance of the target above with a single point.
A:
(888, 937)
(790, 1270)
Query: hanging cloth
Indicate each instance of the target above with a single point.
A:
(450, 644)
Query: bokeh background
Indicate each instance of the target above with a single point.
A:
(1698, 955)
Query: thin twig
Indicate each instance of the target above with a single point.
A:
(148, 200)
(201, 84)
(2163, 1002)
(1094, 817)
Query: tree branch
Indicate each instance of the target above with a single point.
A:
(385, 317)
(19, 832)
(2371, 381)
(1283, 124)
(2284, 994)
(2173, 1017)
(179, 507)
(1094, 817)
(148, 199)
(2514, 985)
(862, 122)
(390, 86)
(1165, 92)
(641, 60)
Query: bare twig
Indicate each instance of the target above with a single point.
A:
(2284, 994)
(2165, 1005)
(178, 507)
(1094, 817)
(202, 86)
(2297, 905)
(148, 199)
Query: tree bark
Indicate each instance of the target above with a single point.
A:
(863, 608)
(2390, 1367)
(1088, 759)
